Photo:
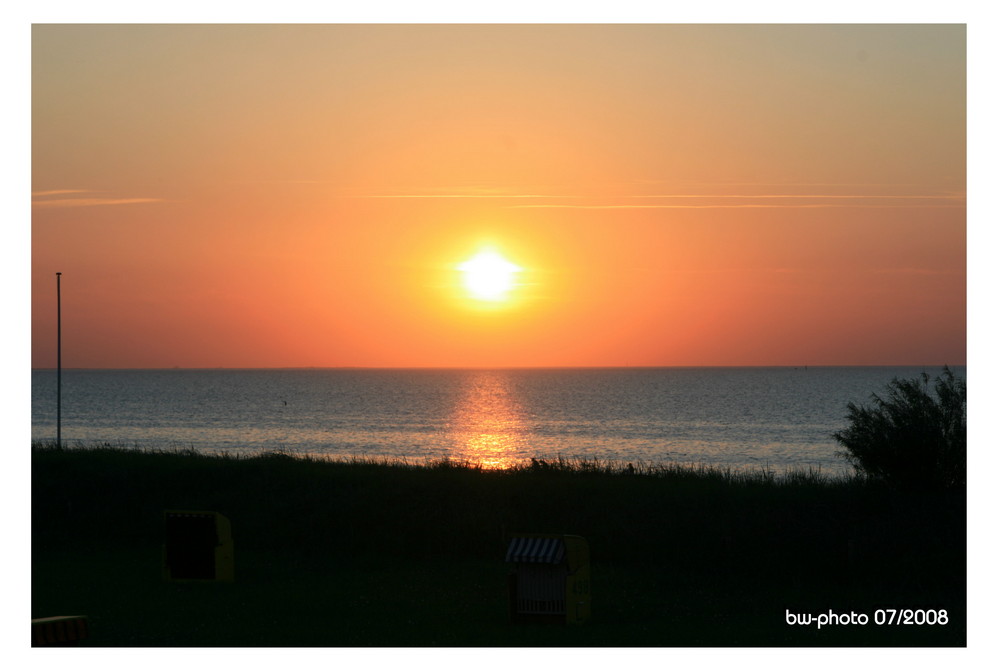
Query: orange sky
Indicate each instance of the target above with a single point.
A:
(274, 196)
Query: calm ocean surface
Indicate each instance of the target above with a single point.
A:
(781, 418)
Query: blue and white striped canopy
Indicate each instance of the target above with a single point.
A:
(536, 550)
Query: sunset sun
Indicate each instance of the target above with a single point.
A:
(488, 276)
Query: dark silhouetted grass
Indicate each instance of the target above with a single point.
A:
(368, 552)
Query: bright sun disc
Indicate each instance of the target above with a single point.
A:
(488, 276)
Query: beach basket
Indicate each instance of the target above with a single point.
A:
(198, 546)
(550, 582)
(58, 630)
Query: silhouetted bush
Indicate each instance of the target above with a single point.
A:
(910, 439)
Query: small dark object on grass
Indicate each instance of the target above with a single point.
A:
(908, 439)
(58, 630)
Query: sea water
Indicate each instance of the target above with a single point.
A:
(776, 419)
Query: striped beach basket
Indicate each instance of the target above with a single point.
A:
(550, 582)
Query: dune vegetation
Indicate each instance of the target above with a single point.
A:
(388, 553)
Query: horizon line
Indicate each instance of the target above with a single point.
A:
(477, 368)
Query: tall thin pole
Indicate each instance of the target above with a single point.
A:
(59, 360)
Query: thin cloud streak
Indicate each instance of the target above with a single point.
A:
(513, 196)
(495, 196)
(71, 203)
(951, 197)
(53, 193)
(905, 271)
(710, 206)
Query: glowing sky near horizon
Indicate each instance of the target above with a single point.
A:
(284, 196)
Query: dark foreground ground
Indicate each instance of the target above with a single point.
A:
(377, 554)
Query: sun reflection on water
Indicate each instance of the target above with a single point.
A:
(487, 428)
